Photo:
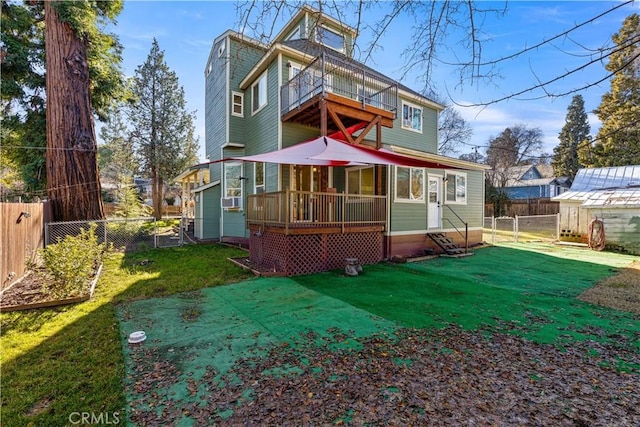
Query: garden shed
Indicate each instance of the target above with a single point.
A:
(610, 194)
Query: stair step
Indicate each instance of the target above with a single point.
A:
(448, 246)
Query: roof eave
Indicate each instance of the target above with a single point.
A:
(264, 62)
(463, 164)
(306, 9)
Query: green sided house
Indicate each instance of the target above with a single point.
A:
(315, 157)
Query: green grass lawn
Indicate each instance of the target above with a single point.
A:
(56, 362)
(59, 361)
(525, 289)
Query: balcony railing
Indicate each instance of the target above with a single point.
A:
(331, 74)
(305, 209)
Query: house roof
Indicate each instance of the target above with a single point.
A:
(205, 187)
(514, 176)
(532, 182)
(236, 35)
(306, 50)
(306, 9)
(621, 197)
(447, 161)
(606, 178)
(193, 171)
(599, 187)
(546, 171)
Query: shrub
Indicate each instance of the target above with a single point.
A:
(72, 262)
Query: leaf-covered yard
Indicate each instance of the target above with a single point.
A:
(447, 341)
(498, 338)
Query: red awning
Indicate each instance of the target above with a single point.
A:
(327, 151)
(299, 154)
(340, 151)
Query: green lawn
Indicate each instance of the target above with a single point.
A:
(59, 361)
(526, 289)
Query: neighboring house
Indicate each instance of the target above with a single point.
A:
(195, 177)
(530, 182)
(610, 194)
(301, 215)
(143, 185)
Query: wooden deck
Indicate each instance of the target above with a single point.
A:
(305, 212)
(300, 232)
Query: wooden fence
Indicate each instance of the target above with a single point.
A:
(525, 207)
(21, 234)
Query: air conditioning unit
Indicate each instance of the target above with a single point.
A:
(230, 202)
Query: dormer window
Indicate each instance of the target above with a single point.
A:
(295, 35)
(330, 38)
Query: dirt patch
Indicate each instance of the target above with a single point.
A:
(621, 292)
(257, 269)
(39, 407)
(29, 290)
(35, 290)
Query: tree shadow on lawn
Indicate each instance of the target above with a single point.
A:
(74, 362)
(506, 289)
(61, 362)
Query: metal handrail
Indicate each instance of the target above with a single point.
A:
(328, 73)
(465, 236)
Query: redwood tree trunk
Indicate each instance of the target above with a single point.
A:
(73, 184)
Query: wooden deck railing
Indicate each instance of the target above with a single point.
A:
(305, 209)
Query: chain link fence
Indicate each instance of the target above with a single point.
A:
(125, 234)
(521, 228)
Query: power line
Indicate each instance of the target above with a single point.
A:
(545, 41)
(27, 147)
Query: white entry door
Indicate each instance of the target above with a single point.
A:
(434, 211)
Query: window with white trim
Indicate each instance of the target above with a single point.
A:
(329, 38)
(360, 181)
(232, 196)
(411, 117)
(237, 104)
(409, 184)
(456, 191)
(259, 94)
(258, 177)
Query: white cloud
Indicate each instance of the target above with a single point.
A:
(489, 122)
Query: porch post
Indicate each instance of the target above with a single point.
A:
(323, 117)
(289, 206)
(344, 210)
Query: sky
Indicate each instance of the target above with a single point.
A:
(185, 31)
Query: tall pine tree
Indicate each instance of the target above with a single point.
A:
(618, 141)
(574, 133)
(116, 156)
(161, 128)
